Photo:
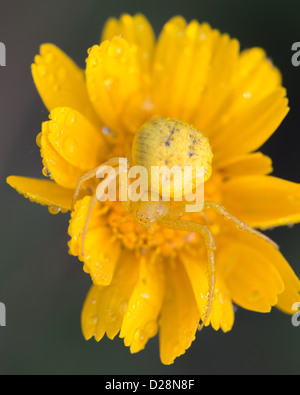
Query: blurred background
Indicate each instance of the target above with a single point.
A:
(43, 287)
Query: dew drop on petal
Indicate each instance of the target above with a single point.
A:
(123, 307)
(139, 335)
(69, 144)
(46, 172)
(38, 139)
(151, 328)
(70, 118)
(255, 295)
(247, 95)
(53, 210)
(41, 70)
(49, 58)
(113, 318)
(108, 83)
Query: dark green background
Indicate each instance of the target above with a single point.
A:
(43, 287)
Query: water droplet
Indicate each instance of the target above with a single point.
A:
(123, 307)
(234, 308)
(53, 117)
(151, 328)
(70, 118)
(91, 60)
(138, 303)
(255, 295)
(38, 139)
(107, 131)
(113, 318)
(128, 314)
(114, 50)
(247, 95)
(46, 172)
(53, 126)
(139, 335)
(42, 70)
(49, 58)
(108, 83)
(53, 210)
(69, 144)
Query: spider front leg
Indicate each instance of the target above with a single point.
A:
(189, 226)
(97, 197)
(219, 209)
(113, 162)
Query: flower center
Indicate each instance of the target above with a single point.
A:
(164, 241)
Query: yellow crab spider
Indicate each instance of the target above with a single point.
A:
(169, 142)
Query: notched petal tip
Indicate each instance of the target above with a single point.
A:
(60, 82)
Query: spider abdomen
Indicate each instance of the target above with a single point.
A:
(170, 142)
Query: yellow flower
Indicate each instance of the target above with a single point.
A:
(149, 280)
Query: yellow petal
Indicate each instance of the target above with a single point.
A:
(222, 315)
(140, 320)
(62, 172)
(253, 282)
(179, 317)
(250, 164)
(184, 68)
(75, 139)
(101, 250)
(101, 255)
(290, 295)
(77, 223)
(136, 30)
(44, 192)
(105, 306)
(61, 82)
(256, 74)
(90, 316)
(250, 127)
(252, 270)
(114, 78)
(253, 80)
(222, 69)
(287, 300)
(262, 201)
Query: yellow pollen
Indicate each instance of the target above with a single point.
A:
(165, 241)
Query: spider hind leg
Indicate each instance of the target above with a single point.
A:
(189, 226)
(219, 209)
